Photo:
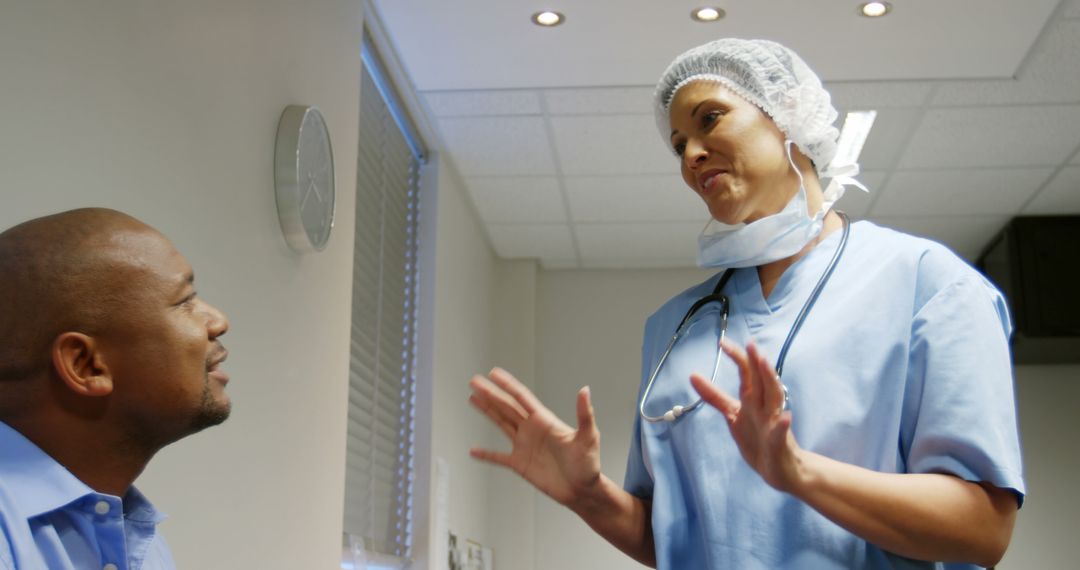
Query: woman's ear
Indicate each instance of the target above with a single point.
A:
(79, 363)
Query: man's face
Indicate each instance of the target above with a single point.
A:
(161, 345)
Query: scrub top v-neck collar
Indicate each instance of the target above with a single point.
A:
(749, 300)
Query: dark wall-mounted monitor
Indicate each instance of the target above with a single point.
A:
(1035, 261)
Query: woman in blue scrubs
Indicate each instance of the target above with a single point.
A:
(838, 395)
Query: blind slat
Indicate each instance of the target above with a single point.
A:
(379, 454)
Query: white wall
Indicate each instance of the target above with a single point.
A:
(590, 326)
(1046, 530)
(463, 345)
(168, 110)
(589, 332)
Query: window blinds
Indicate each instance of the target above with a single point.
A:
(379, 463)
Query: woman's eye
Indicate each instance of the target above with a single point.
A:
(710, 117)
(680, 149)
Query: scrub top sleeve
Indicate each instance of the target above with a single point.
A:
(959, 412)
(637, 480)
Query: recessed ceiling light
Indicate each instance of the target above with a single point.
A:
(874, 9)
(548, 19)
(707, 14)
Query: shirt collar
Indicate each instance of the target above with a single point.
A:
(41, 485)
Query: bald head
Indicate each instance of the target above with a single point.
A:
(60, 273)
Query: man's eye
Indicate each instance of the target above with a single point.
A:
(680, 149)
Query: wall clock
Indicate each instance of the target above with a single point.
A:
(304, 178)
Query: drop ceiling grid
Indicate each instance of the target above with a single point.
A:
(639, 245)
(994, 136)
(640, 198)
(1071, 9)
(1061, 195)
(487, 44)
(610, 144)
(980, 192)
(542, 241)
(482, 103)
(518, 199)
(549, 132)
(893, 128)
(859, 95)
(599, 101)
(967, 151)
(1049, 75)
(498, 146)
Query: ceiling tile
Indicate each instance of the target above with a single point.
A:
(652, 197)
(481, 103)
(1072, 9)
(536, 199)
(672, 244)
(975, 192)
(863, 95)
(599, 101)
(1060, 196)
(556, 263)
(1076, 159)
(479, 44)
(503, 146)
(1049, 75)
(966, 235)
(994, 136)
(542, 241)
(855, 202)
(611, 144)
(891, 131)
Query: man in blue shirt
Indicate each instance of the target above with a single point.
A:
(106, 356)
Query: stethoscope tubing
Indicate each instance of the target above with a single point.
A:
(677, 411)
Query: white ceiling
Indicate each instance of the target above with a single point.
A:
(552, 133)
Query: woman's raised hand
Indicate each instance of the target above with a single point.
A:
(561, 461)
(757, 420)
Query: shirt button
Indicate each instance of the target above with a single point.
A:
(109, 567)
(101, 508)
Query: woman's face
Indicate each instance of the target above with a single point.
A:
(733, 155)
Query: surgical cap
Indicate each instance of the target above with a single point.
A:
(768, 75)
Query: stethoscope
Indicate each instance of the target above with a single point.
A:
(675, 412)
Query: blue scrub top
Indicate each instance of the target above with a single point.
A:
(902, 366)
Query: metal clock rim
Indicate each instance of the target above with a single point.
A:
(287, 177)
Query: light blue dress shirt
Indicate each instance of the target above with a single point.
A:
(49, 520)
(902, 366)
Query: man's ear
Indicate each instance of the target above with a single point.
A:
(79, 363)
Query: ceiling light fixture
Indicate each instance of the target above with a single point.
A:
(707, 14)
(853, 135)
(548, 19)
(874, 9)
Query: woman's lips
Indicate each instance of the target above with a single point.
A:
(708, 179)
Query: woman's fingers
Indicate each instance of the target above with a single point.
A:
(489, 456)
(586, 416)
(522, 395)
(715, 397)
(772, 390)
(510, 408)
(494, 415)
(749, 390)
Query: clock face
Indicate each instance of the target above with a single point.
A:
(316, 179)
(304, 178)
